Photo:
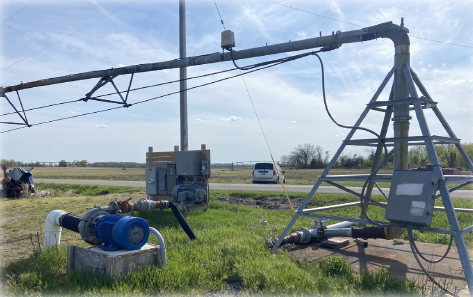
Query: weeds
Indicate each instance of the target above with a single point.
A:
(230, 248)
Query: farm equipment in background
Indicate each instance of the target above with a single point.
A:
(18, 182)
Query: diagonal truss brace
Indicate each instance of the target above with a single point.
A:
(23, 117)
(102, 82)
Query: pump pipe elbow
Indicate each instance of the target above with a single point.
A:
(52, 228)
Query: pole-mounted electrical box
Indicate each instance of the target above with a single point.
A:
(179, 176)
(228, 39)
(412, 197)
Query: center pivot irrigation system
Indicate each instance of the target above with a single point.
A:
(410, 203)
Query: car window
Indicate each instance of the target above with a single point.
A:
(267, 166)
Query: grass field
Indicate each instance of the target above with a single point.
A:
(230, 249)
(238, 176)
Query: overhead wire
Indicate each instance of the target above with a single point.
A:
(358, 25)
(381, 140)
(273, 62)
(221, 20)
(69, 35)
(131, 90)
(154, 98)
(16, 12)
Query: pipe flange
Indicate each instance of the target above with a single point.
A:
(87, 225)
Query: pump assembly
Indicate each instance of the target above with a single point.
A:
(108, 227)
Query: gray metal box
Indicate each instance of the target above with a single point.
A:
(171, 182)
(152, 183)
(188, 163)
(162, 177)
(411, 197)
(205, 167)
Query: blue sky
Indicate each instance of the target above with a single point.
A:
(287, 98)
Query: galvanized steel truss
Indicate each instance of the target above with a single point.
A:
(418, 104)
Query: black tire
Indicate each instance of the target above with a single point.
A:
(284, 181)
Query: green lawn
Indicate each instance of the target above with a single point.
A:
(230, 248)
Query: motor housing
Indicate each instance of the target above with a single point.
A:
(189, 194)
(119, 231)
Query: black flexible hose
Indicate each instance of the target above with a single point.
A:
(439, 259)
(70, 222)
(414, 251)
(375, 171)
(182, 221)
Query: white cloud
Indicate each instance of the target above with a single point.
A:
(101, 126)
(200, 120)
(73, 112)
(335, 8)
(452, 81)
(340, 135)
(231, 119)
(293, 121)
(256, 20)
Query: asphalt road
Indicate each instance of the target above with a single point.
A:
(460, 194)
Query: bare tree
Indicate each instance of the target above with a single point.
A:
(303, 154)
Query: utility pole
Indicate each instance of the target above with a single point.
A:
(183, 75)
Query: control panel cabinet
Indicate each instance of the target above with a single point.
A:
(160, 179)
(188, 163)
(412, 197)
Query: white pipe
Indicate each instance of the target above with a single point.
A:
(52, 228)
(162, 247)
(345, 224)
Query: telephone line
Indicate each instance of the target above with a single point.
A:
(354, 24)
(165, 95)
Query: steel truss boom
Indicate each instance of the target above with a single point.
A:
(384, 30)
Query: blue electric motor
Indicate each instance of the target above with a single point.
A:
(119, 231)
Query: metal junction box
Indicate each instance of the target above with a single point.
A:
(228, 39)
(188, 163)
(412, 197)
(160, 179)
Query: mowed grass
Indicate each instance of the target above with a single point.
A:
(238, 176)
(230, 248)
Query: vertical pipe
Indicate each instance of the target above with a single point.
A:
(183, 75)
(401, 112)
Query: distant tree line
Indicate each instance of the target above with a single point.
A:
(309, 156)
(304, 156)
(448, 154)
(76, 163)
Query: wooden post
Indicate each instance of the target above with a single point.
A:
(176, 148)
(150, 149)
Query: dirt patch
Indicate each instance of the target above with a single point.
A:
(280, 202)
(275, 202)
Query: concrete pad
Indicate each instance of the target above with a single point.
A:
(395, 256)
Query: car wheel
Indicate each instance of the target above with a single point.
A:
(277, 181)
(284, 181)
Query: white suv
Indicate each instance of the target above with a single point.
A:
(266, 173)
